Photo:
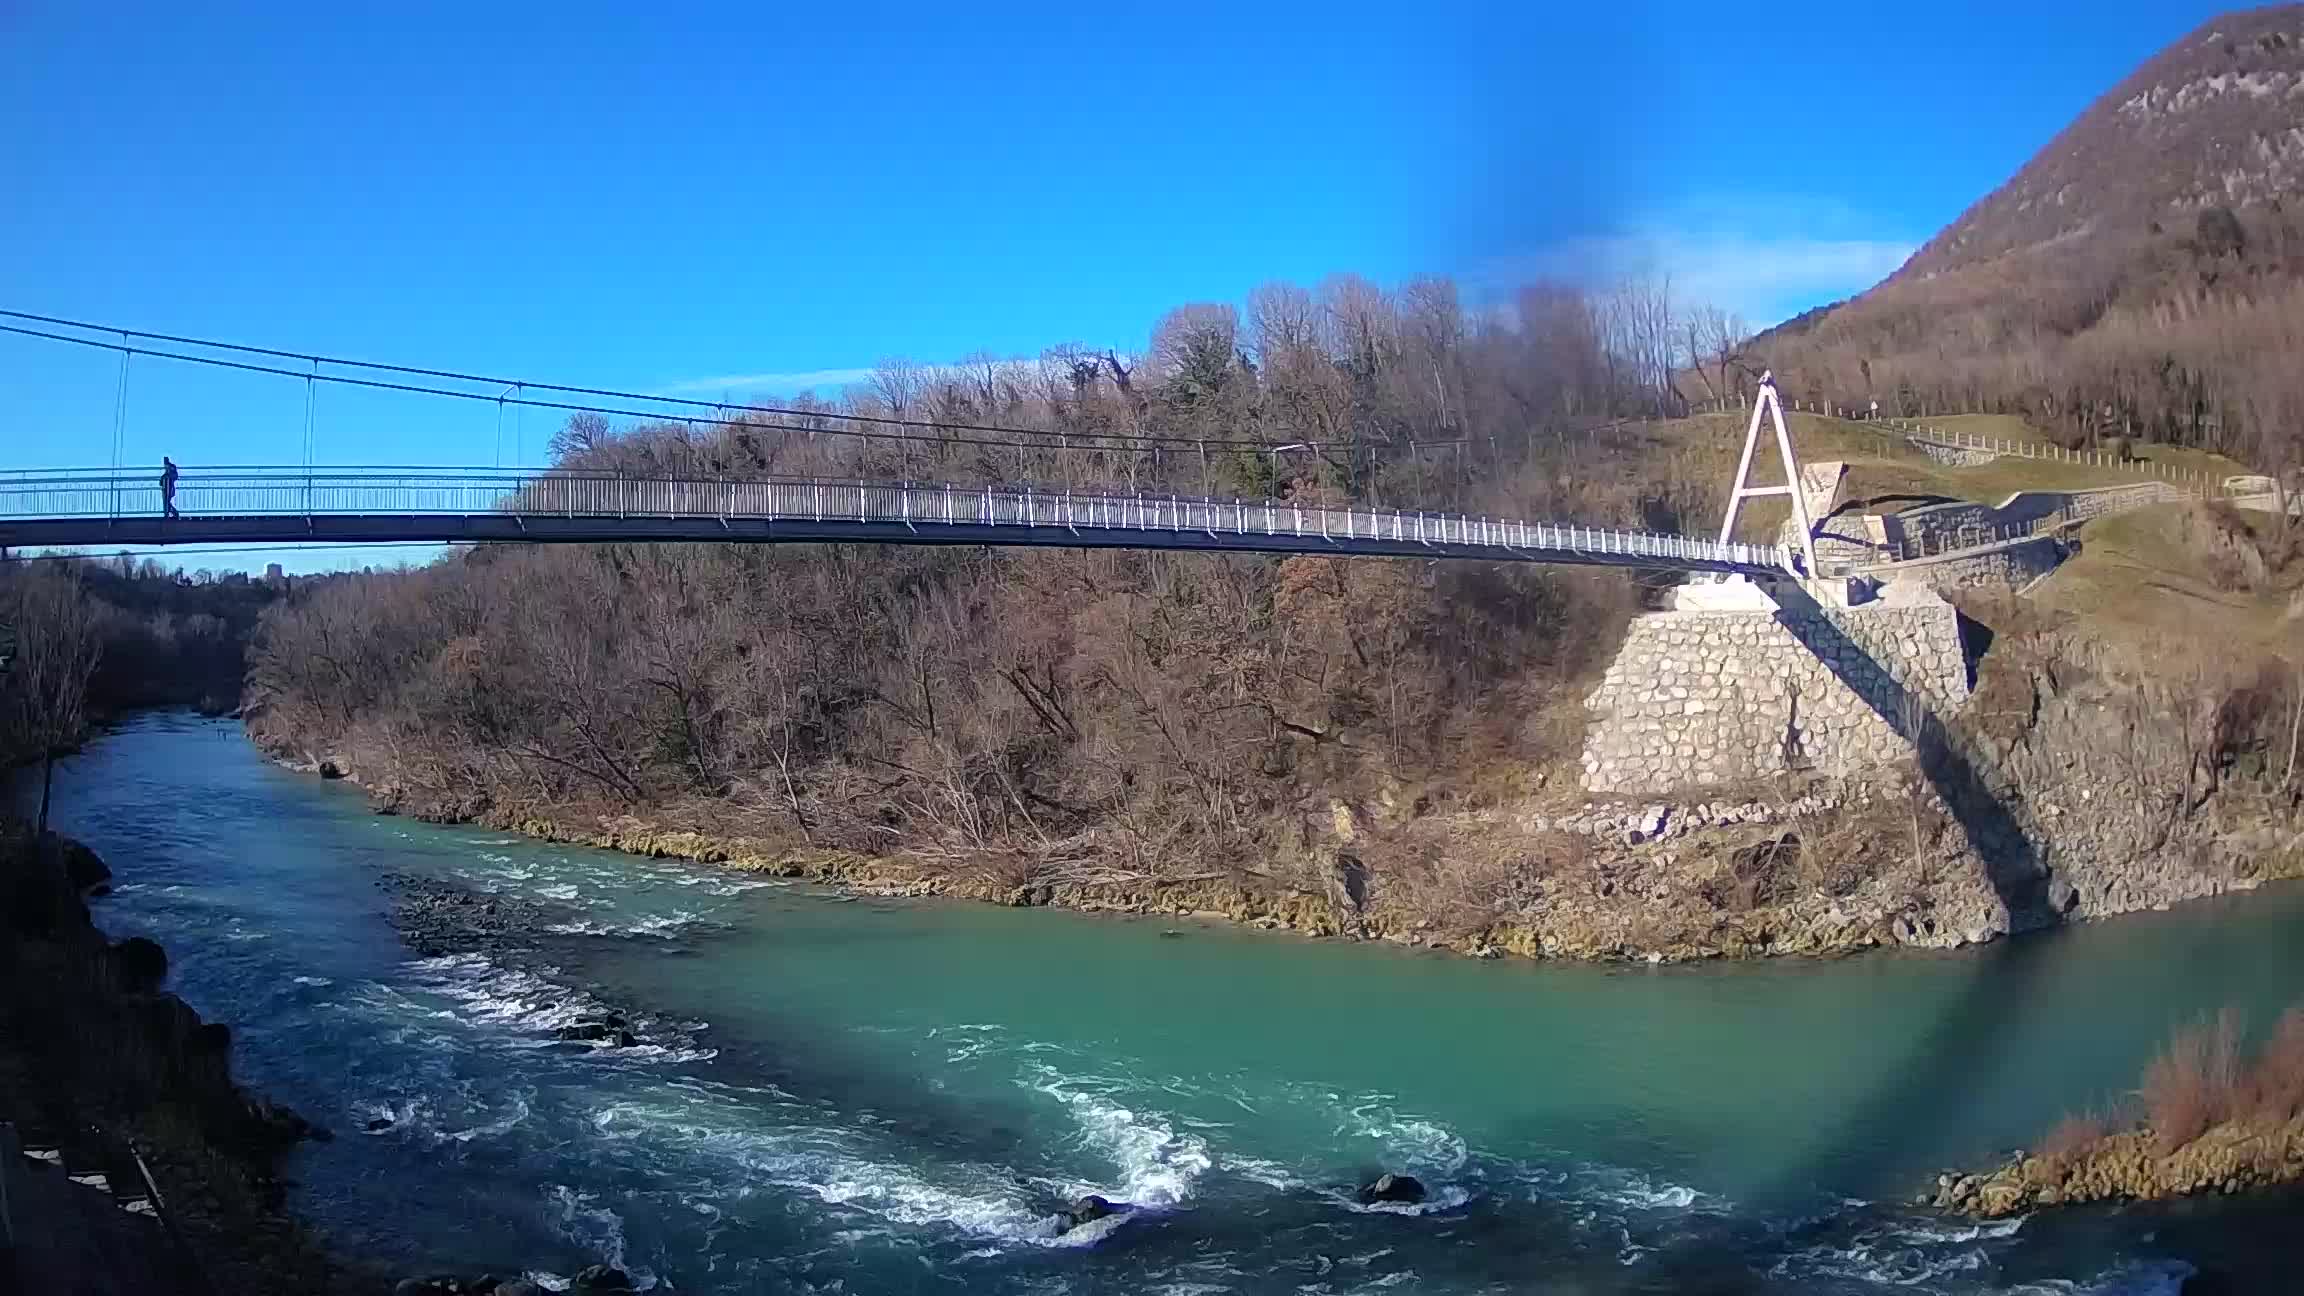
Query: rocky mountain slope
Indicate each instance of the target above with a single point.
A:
(2215, 120)
(2143, 275)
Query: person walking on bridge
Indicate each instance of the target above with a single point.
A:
(168, 487)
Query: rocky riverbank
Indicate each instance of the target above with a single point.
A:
(2236, 1156)
(96, 1057)
(2077, 787)
(1818, 870)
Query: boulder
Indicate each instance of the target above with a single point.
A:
(1405, 1189)
(1086, 1210)
(589, 1030)
(83, 868)
(601, 1278)
(139, 965)
(379, 1124)
(331, 770)
(520, 1287)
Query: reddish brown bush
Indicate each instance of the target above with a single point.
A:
(2070, 1137)
(2276, 1081)
(2194, 1082)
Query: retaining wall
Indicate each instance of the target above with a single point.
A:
(2011, 565)
(1954, 456)
(1935, 524)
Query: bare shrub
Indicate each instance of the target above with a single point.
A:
(2070, 1137)
(1755, 876)
(2276, 1081)
(2197, 1082)
(2194, 1082)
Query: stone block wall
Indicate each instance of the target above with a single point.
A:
(1699, 698)
(1954, 456)
(2008, 566)
(2112, 499)
(1953, 523)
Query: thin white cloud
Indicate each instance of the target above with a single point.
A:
(796, 380)
(1768, 280)
(784, 384)
(1765, 277)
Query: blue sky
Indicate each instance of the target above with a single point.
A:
(742, 197)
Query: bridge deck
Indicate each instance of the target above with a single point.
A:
(264, 505)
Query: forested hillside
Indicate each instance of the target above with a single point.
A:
(1056, 714)
(86, 639)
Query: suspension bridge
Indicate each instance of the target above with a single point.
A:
(119, 505)
(288, 505)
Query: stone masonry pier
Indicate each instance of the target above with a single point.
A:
(1697, 698)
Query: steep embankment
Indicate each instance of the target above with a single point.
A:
(95, 1056)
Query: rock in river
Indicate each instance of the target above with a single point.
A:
(1087, 1210)
(1404, 1189)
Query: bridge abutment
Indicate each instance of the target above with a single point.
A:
(1730, 691)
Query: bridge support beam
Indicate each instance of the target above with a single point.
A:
(1767, 405)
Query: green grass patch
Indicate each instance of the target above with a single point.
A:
(2154, 571)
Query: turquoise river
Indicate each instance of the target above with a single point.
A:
(865, 1096)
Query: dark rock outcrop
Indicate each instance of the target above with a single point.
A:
(601, 1278)
(609, 1030)
(84, 870)
(140, 965)
(437, 918)
(95, 1044)
(1085, 1210)
(1406, 1190)
(485, 1285)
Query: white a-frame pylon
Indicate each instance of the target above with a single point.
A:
(1766, 403)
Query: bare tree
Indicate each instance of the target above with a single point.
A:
(581, 437)
(1716, 342)
(899, 383)
(1638, 315)
(46, 685)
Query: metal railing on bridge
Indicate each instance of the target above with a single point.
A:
(258, 492)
